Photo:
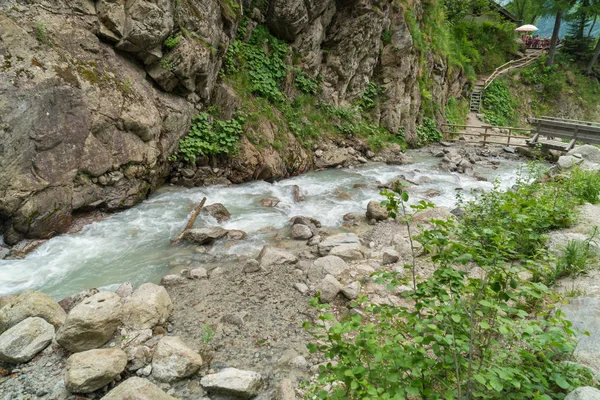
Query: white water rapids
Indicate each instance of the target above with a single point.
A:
(134, 245)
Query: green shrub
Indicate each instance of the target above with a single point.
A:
(497, 104)
(584, 185)
(577, 258)
(428, 132)
(172, 41)
(211, 137)
(368, 100)
(262, 58)
(305, 84)
(486, 336)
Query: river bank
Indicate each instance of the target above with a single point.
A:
(242, 304)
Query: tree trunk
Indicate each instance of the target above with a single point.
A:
(594, 59)
(593, 25)
(554, 40)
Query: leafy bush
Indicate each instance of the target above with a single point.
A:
(485, 336)
(172, 41)
(305, 84)
(368, 100)
(497, 104)
(263, 59)
(428, 132)
(211, 137)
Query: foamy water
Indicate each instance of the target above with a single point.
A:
(134, 245)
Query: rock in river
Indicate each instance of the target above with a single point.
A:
(204, 235)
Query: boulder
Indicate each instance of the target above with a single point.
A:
(172, 280)
(217, 211)
(348, 252)
(270, 256)
(236, 234)
(586, 156)
(390, 256)
(174, 360)
(329, 287)
(138, 389)
(68, 303)
(31, 304)
(233, 382)
(204, 235)
(125, 289)
(376, 211)
(285, 390)
(148, 306)
(584, 393)
(91, 323)
(23, 341)
(269, 201)
(198, 273)
(91, 370)
(337, 240)
(331, 265)
(351, 290)
(301, 232)
(251, 266)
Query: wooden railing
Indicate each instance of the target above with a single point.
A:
(573, 130)
(486, 132)
(511, 65)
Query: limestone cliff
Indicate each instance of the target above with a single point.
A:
(93, 103)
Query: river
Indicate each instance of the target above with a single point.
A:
(134, 245)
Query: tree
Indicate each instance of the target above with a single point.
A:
(558, 8)
(526, 11)
(594, 59)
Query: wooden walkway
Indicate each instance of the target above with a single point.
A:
(572, 130)
(545, 132)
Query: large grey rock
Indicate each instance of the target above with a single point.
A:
(584, 313)
(348, 252)
(217, 211)
(329, 287)
(91, 370)
(30, 304)
(337, 240)
(351, 290)
(204, 235)
(233, 382)
(390, 256)
(270, 256)
(68, 303)
(148, 306)
(174, 360)
(331, 265)
(137, 389)
(91, 323)
(96, 133)
(23, 341)
(301, 232)
(584, 393)
(376, 211)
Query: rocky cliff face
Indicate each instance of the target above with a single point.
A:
(92, 102)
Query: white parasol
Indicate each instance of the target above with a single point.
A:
(526, 28)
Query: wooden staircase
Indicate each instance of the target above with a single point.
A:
(476, 97)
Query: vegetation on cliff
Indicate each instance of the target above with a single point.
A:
(267, 74)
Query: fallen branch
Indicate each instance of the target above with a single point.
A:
(191, 221)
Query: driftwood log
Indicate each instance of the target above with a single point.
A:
(191, 221)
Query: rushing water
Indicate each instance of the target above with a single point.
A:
(134, 245)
